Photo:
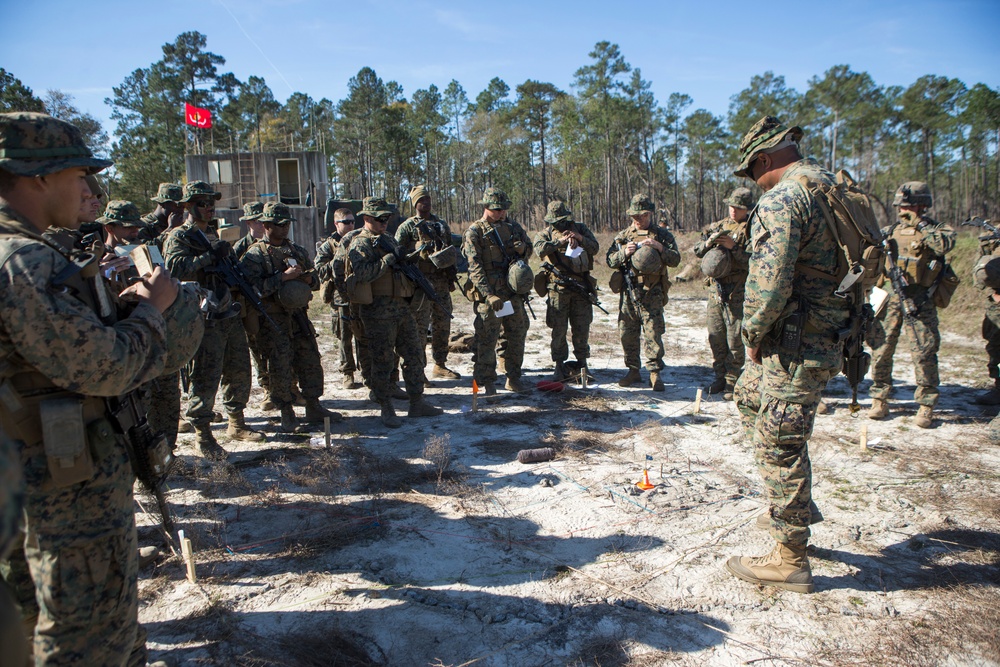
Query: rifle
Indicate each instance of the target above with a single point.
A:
(574, 284)
(233, 276)
(856, 360)
(148, 452)
(993, 233)
(510, 260)
(413, 273)
(898, 280)
(628, 274)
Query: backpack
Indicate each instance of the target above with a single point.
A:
(848, 213)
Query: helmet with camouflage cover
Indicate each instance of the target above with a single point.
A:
(375, 207)
(36, 144)
(168, 192)
(495, 199)
(913, 193)
(717, 262)
(519, 277)
(740, 198)
(195, 189)
(640, 204)
(120, 212)
(294, 294)
(274, 211)
(646, 259)
(986, 273)
(252, 211)
(557, 213)
(766, 134)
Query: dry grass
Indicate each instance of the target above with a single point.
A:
(437, 450)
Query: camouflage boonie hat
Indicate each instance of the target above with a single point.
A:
(95, 186)
(913, 193)
(36, 144)
(740, 198)
(557, 212)
(276, 212)
(120, 212)
(252, 211)
(168, 192)
(495, 199)
(375, 207)
(199, 189)
(766, 133)
(640, 204)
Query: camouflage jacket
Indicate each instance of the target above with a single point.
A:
(788, 229)
(240, 247)
(487, 265)
(548, 248)
(670, 255)
(365, 255)
(186, 260)
(433, 234)
(264, 263)
(739, 232)
(11, 493)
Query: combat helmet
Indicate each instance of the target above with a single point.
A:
(519, 277)
(717, 262)
(294, 294)
(986, 273)
(913, 193)
(647, 260)
(36, 144)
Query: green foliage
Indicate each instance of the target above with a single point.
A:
(15, 96)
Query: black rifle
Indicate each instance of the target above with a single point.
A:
(629, 277)
(572, 283)
(993, 233)
(898, 280)
(856, 360)
(412, 272)
(148, 452)
(510, 260)
(232, 275)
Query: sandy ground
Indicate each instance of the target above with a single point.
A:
(432, 545)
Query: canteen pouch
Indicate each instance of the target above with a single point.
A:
(64, 439)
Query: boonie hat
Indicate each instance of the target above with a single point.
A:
(36, 144)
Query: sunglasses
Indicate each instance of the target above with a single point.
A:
(279, 223)
(205, 203)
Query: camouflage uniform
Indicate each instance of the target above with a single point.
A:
(567, 307)
(777, 399)
(989, 246)
(252, 211)
(340, 305)
(336, 269)
(389, 311)
(488, 273)
(724, 313)
(80, 527)
(291, 353)
(435, 234)
(223, 356)
(155, 231)
(645, 317)
(11, 506)
(932, 240)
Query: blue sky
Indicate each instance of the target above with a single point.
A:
(708, 50)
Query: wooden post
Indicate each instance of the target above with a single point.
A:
(326, 431)
(583, 377)
(697, 402)
(863, 438)
(187, 553)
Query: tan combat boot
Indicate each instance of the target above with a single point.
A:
(315, 412)
(207, 445)
(421, 408)
(786, 567)
(389, 417)
(289, 422)
(443, 372)
(879, 409)
(238, 429)
(348, 382)
(184, 426)
(923, 418)
(515, 384)
(559, 374)
(630, 378)
(655, 382)
(822, 408)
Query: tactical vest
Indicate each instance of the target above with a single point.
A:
(391, 283)
(436, 243)
(494, 261)
(633, 235)
(922, 266)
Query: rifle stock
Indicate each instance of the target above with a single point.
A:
(574, 284)
(413, 273)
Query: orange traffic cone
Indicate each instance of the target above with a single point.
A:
(645, 484)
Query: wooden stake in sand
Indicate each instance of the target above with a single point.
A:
(326, 431)
(187, 553)
(583, 377)
(697, 402)
(863, 438)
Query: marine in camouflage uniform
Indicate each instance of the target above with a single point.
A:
(67, 342)
(11, 506)
(919, 245)
(725, 243)
(223, 356)
(283, 274)
(987, 282)
(335, 297)
(338, 269)
(251, 216)
(490, 288)
(779, 389)
(567, 308)
(426, 234)
(647, 250)
(382, 293)
(166, 217)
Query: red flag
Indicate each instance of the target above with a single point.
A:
(200, 118)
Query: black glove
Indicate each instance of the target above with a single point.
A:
(220, 248)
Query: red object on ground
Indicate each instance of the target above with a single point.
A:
(549, 385)
(645, 484)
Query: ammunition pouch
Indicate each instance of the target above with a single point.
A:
(945, 288)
